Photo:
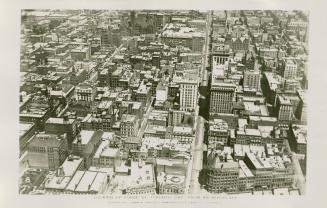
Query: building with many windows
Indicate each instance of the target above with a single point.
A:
(85, 144)
(129, 125)
(270, 172)
(248, 136)
(218, 132)
(85, 92)
(221, 97)
(110, 37)
(289, 69)
(46, 151)
(106, 156)
(222, 175)
(95, 122)
(251, 79)
(188, 88)
(62, 125)
(283, 109)
(298, 138)
(184, 134)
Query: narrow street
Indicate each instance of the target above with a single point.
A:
(145, 120)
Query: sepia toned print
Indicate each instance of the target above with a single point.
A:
(163, 102)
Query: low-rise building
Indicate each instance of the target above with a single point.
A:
(171, 184)
(156, 147)
(298, 138)
(58, 182)
(80, 53)
(162, 132)
(85, 144)
(62, 125)
(129, 125)
(218, 132)
(141, 179)
(85, 91)
(158, 118)
(87, 182)
(222, 175)
(248, 136)
(95, 122)
(106, 156)
(184, 134)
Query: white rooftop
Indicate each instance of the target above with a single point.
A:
(70, 166)
(86, 181)
(245, 170)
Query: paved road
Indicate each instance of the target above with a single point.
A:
(197, 153)
(197, 145)
(299, 179)
(204, 72)
(145, 120)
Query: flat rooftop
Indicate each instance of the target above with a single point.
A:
(128, 118)
(110, 152)
(71, 164)
(241, 150)
(217, 83)
(100, 149)
(218, 125)
(24, 127)
(245, 171)
(59, 183)
(86, 181)
(54, 120)
(183, 129)
(87, 135)
(259, 162)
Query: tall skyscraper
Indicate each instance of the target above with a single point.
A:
(283, 108)
(188, 88)
(220, 54)
(46, 151)
(290, 69)
(251, 79)
(221, 96)
(110, 37)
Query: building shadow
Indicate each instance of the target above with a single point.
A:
(203, 173)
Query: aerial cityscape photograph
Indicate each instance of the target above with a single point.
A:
(157, 102)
